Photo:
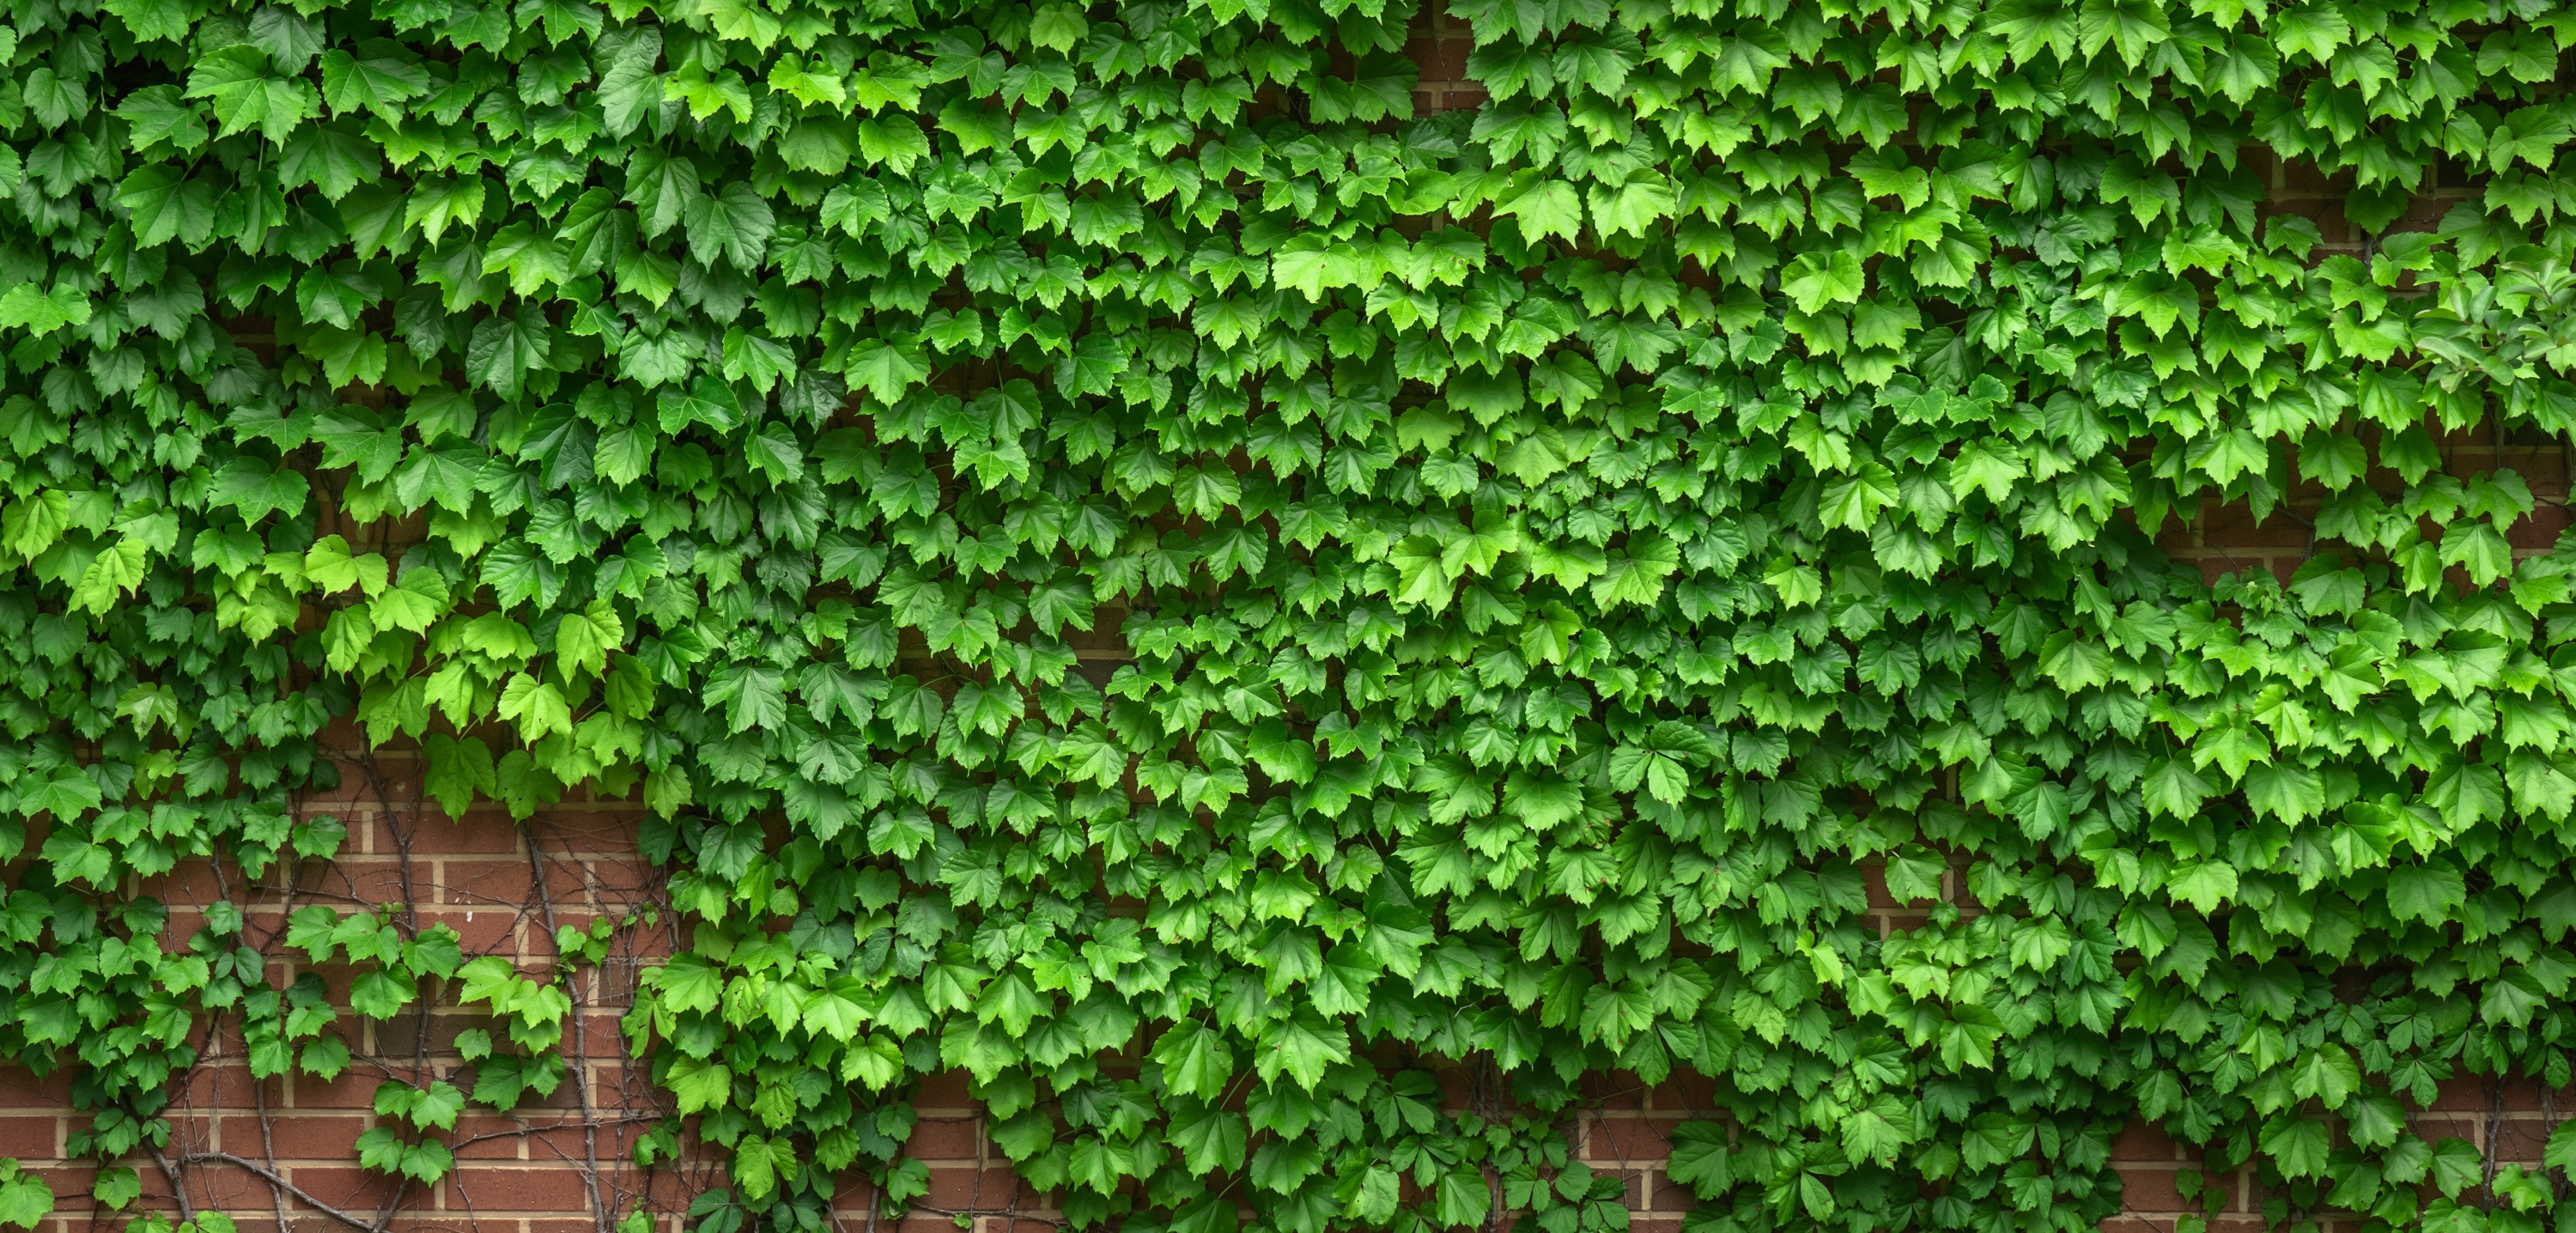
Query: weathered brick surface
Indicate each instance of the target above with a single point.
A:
(248, 1147)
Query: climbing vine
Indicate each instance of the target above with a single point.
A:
(1123, 558)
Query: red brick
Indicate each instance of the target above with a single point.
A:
(2150, 1189)
(944, 1090)
(969, 1186)
(70, 1182)
(484, 883)
(947, 1139)
(544, 1187)
(2143, 1141)
(605, 828)
(493, 930)
(1628, 1139)
(1615, 1089)
(304, 1136)
(30, 1137)
(229, 1188)
(365, 880)
(2520, 1139)
(354, 1089)
(480, 833)
(20, 1090)
(1684, 1092)
(342, 1186)
(1669, 1195)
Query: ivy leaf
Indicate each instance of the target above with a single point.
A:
(157, 114)
(834, 1014)
(379, 1149)
(1636, 207)
(706, 401)
(379, 84)
(2560, 1153)
(24, 1199)
(885, 369)
(1211, 1139)
(380, 994)
(1195, 1059)
(2203, 884)
(584, 639)
(2428, 892)
(1300, 1049)
(54, 100)
(1877, 1132)
(439, 203)
(41, 312)
(1854, 501)
(237, 82)
(1816, 279)
(1543, 208)
(2315, 30)
(734, 223)
(116, 1186)
(2297, 1144)
(151, 21)
(505, 349)
(628, 89)
(539, 707)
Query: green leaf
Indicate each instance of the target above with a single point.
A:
(1195, 1059)
(1545, 208)
(2560, 1153)
(380, 994)
(25, 1199)
(2203, 884)
(706, 401)
(1854, 501)
(584, 639)
(1820, 278)
(378, 84)
(117, 1186)
(1637, 207)
(1211, 1139)
(157, 114)
(152, 20)
(505, 350)
(439, 203)
(2428, 892)
(734, 224)
(2297, 1144)
(236, 80)
(885, 369)
(42, 312)
(1877, 1132)
(1300, 1049)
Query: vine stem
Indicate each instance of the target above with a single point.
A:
(178, 1185)
(411, 928)
(276, 1183)
(580, 1060)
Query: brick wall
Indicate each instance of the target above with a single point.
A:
(282, 1150)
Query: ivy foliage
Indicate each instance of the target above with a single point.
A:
(1564, 544)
